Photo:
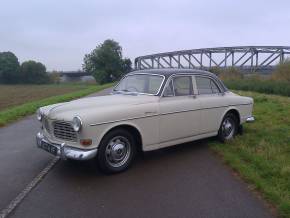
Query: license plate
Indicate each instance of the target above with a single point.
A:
(49, 148)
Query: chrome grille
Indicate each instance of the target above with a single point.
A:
(64, 130)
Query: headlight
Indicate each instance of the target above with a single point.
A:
(39, 114)
(77, 123)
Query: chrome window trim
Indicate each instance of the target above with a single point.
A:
(168, 84)
(141, 93)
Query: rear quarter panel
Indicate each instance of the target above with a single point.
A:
(244, 105)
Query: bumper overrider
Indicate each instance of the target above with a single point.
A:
(250, 119)
(64, 151)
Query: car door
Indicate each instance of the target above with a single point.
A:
(212, 103)
(179, 110)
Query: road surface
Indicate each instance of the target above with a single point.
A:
(181, 181)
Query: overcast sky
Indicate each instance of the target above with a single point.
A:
(59, 33)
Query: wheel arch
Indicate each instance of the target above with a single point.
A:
(234, 111)
(134, 130)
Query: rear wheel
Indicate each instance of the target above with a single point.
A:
(116, 151)
(228, 128)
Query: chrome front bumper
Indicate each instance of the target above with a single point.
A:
(64, 151)
(250, 119)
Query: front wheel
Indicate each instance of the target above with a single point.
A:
(116, 151)
(228, 128)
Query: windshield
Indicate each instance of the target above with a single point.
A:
(140, 83)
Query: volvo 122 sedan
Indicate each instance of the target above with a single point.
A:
(147, 110)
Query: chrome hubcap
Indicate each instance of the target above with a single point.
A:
(118, 151)
(228, 128)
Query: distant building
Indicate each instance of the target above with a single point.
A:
(76, 76)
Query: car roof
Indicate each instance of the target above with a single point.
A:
(169, 71)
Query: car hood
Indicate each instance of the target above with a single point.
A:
(86, 106)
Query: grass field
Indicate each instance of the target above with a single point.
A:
(12, 95)
(262, 154)
(20, 106)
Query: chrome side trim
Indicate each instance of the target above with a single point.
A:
(66, 152)
(114, 121)
(250, 119)
(173, 112)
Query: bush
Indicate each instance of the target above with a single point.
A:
(279, 84)
(282, 72)
(229, 73)
(54, 77)
(262, 86)
(33, 73)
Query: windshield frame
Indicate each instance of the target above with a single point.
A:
(140, 93)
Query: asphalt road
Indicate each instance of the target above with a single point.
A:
(181, 181)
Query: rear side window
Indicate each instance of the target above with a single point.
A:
(206, 85)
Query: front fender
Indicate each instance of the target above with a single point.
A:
(108, 128)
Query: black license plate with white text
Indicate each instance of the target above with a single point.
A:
(49, 148)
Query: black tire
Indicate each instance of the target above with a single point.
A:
(228, 128)
(116, 151)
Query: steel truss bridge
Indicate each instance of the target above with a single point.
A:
(247, 58)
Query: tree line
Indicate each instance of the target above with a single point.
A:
(105, 63)
(12, 72)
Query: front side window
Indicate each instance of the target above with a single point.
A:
(140, 83)
(206, 85)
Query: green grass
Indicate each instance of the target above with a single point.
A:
(259, 85)
(14, 113)
(262, 154)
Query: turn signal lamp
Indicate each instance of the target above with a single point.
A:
(86, 142)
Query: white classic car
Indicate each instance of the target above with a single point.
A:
(147, 110)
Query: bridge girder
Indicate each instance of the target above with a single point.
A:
(249, 58)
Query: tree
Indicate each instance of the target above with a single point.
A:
(33, 72)
(54, 77)
(9, 68)
(105, 62)
(127, 65)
